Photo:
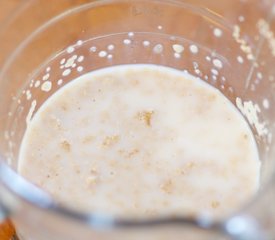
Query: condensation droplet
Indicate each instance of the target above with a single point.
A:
(194, 49)
(59, 82)
(177, 55)
(93, 49)
(208, 58)
(197, 71)
(131, 34)
(266, 104)
(252, 87)
(240, 59)
(70, 61)
(46, 77)
(217, 63)
(70, 49)
(66, 72)
(215, 72)
(111, 47)
(28, 95)
(195, 65)
(217, 32)
(80, 69)
(37, 84)
(62, 61)
(102, 54)
(80, 59)
(178, 48)
(79, 42)
(127, 41)
(259, 75)
(241, 18)
(31, 111)
(46, 86)
(48, 69)
(160, 27)
(110, 56)
(158, 49)
(146, 43)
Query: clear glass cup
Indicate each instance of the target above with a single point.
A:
(229, 44)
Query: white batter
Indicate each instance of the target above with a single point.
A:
(139, 140)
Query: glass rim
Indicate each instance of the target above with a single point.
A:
(29, 193)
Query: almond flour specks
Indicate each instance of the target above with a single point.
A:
(132, 140)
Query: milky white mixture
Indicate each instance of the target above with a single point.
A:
(141, 140)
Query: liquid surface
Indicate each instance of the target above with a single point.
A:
(141, 140)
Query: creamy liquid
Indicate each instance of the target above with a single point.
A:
(141, 140)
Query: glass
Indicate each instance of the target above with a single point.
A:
(230, 45)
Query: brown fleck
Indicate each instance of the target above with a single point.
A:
(190, 165)
(88, 139)
(66, 146)
(151, 212)
(185, 169)
(91, 180)
(64, 107)
(128, 154)
(215, 204)
(110, 141)
(146, 117)
(77, 169)
(167, 186)
(133, 152)
(93, 177)
(56, 122)
(212, 97)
